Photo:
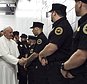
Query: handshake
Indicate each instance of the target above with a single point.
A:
(22, 61)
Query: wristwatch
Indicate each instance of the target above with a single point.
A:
(62, 67)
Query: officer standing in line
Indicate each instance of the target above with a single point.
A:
(16, 37)
(23, 50)
(23, 46)
(37, 71)
(77, 63)
(32, 41)
(59, 47)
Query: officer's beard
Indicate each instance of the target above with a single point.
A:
(51, 20)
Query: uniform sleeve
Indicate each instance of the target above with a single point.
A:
(5, 55)
(83, 38)
(58, 36)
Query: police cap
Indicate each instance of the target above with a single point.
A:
(57, 6)
(15, 33)
(37, 24)
(31, 37)
(84, 1)
(23, 36)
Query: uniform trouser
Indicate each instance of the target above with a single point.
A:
(37, 75)
(80, 79)
(22, 75)
(54, 75)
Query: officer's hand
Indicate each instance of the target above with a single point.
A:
(22, 61)
(66, 74)
(43, 61)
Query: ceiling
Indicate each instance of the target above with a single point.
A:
(8, 1)
(8, 6)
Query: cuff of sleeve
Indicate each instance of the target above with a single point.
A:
(17, 61)
(62, 67)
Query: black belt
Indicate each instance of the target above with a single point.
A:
(52, 63)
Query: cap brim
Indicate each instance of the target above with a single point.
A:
(50, 10)
(31, 27)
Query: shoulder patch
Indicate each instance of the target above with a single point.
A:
(58, 30)
(39, 41)
(85, 29)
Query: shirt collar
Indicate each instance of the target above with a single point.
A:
(82, 19)
(58, 21)
(40, 34)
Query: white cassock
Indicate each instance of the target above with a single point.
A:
(8, 61)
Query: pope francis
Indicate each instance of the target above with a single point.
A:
(8, 58)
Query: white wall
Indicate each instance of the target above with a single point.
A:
(7, 20)
(23, 21)
(21, 24)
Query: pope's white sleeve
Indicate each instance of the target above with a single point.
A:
(5, 55)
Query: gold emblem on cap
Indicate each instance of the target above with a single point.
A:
(39, 41)
(85, 29)
(58, 30)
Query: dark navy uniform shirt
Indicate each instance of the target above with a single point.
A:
(23, 49)
(41, 42)
(31, 49)
(61, 35)
(80, 38)
(80, 42)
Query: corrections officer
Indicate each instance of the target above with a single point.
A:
(16, 38)
(23, 50)
(77, 63)
(32, 42)
(23, 46)
(59, 46)
(37, 71)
